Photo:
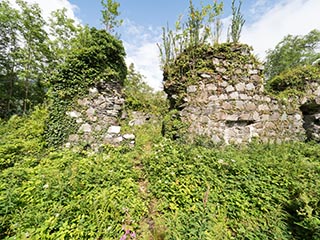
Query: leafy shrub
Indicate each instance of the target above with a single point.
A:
(71, 196)
(257, 192)
(21, 137)
(294, 79)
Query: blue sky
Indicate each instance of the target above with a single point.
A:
(158, 13)
(267, 22)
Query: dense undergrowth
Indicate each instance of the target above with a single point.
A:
(159, 189)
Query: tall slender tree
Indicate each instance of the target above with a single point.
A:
(34, 53)
(9, 23)
(110, 14)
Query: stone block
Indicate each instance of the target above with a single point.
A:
(86, 127)
(129, 136)
(213, 98)
(263, 108)
(240, 87)
(192, 89)
(233, 117)
(205, 75)
(234, 95)
(227, 106)
(250, 87)
(229, 89)
(114, 129)
(250, 106)
(211, 87)
(73, 114)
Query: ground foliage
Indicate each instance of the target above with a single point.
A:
(262, 191)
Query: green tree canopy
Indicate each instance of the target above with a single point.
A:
(291, 52)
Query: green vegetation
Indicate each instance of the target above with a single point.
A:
(291, 52)
(192, 33)
(139, 96)
(237, 22)
(159, 189)
(294, 79)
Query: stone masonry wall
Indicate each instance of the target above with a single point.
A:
(228, 104)
(97, 118)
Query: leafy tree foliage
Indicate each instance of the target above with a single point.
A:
(291, 52)
(27, 55)
(110, 13)
(140, 96)
(10, 88)
(62, 31)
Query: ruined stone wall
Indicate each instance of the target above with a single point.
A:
(97, 118)
(228, 104)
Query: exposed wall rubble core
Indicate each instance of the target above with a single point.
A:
(225, 100)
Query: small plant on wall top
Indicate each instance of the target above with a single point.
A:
(196, 31)
(237, 21)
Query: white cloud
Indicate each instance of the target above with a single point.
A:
(296, 17)
(141, 47)
(51, 5)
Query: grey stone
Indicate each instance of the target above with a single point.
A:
(255, 78)
(263, 107)
(221, 69)
(227, 106)
(244, 97)
(114, 129)
(265, 117)
(245, 116)
(250, 87)
(129, 136)
(73, 114)
(317, 92)
(79, 120)
(215, 61)
(108, 137)
(234, 95)
(90, 112)
(275, 116)
(233, 117)
(284, 117)
(211, 87)
(86, 127)
(251, 106)
(240, 105)
(213, 98)
(240, 87)
(253, 71)
(93, 91)
(205, 75)
(215, 139)
(256, 116)
(223, 97)
(223, 84)
(74, 138)
(238, 71)
(230, 89)
(192, 89)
